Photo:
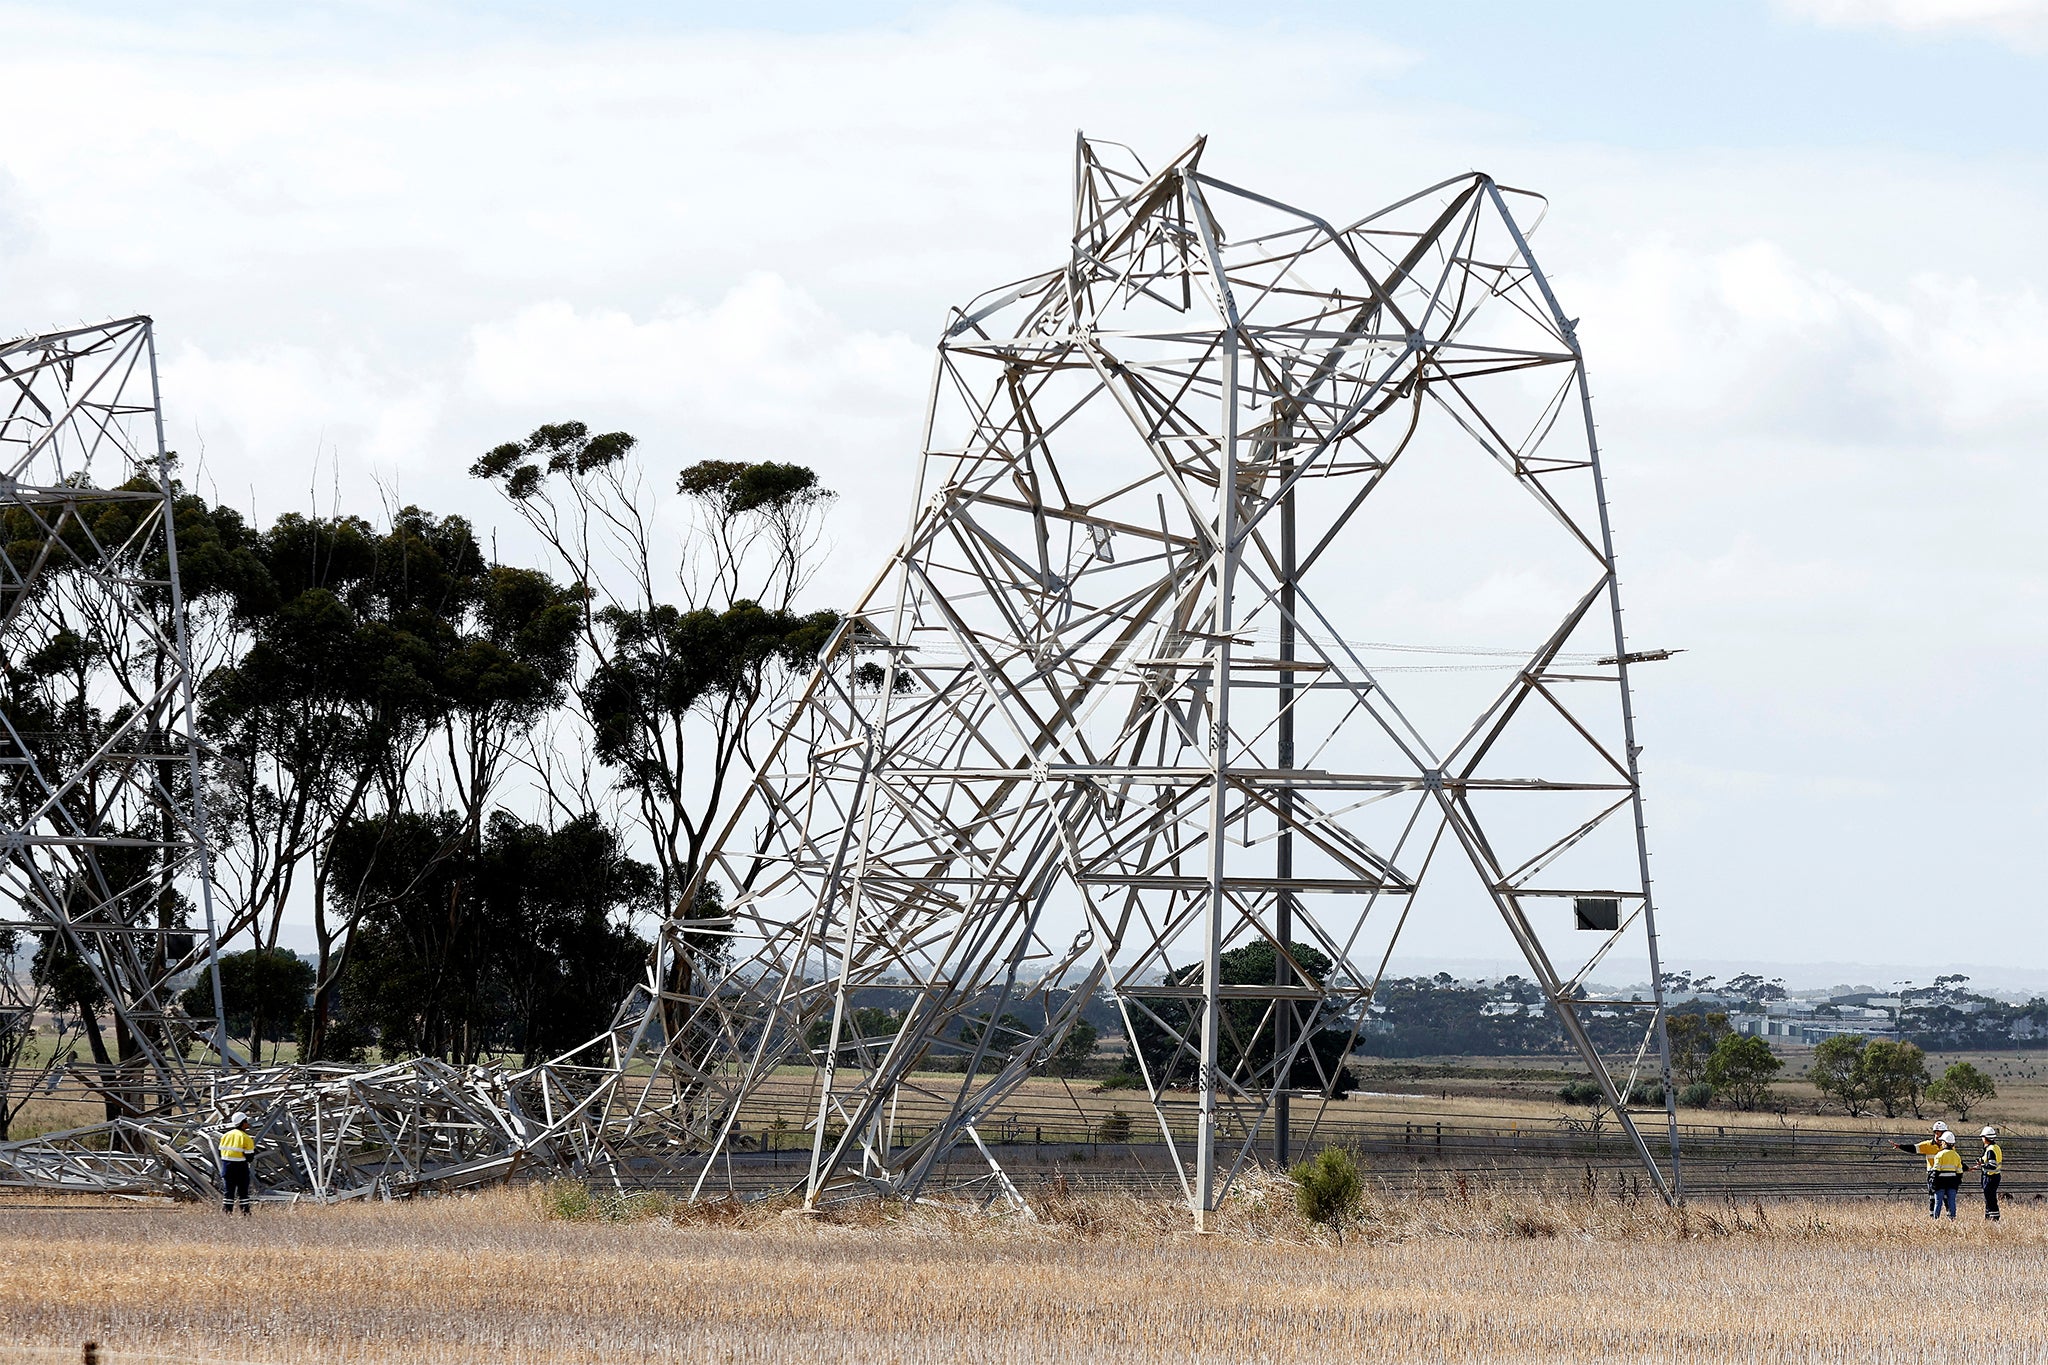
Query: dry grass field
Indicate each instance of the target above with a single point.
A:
(1496, 1276)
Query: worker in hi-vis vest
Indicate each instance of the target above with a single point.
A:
(237, 1149)
(1929, 1149)
(1948, 1176)
(1989, 1168)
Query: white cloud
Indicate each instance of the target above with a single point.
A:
(1750, 337)
(275, 422)
(18, 233)
(2024, 22)
(764, 355)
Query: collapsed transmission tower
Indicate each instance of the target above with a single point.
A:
(105, 885)
(1114, 718)
(1120, 717)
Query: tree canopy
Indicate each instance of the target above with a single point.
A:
(1245, 1043)
(1741, 1069)
(477, 772)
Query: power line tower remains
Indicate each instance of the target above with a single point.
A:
(105, 881)
(1120, 715)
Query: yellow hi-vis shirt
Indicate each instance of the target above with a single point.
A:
(1930, 1149)
(236, 1145)
(1948, 1161)
(1994, 1158)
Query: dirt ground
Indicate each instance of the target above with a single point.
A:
(1498, 1275)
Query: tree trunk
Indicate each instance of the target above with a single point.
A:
(97, 1041)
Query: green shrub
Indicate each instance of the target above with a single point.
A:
(1895, 1074)
(1580, 1092)
(572, 1201)
(1328, 1189)
(1962, 1088)
(1115, 1128)
(567, 1200)
(1698, 1095)
(1741, 1067)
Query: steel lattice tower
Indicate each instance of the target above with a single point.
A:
(1113, 714)
(104, 862)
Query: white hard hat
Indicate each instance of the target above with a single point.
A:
(1940, 1127)
(1948, 1139)
(238, 1120)
(1989, 1133)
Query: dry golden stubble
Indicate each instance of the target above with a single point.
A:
(1492, 1273)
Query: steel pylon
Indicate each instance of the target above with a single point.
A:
(1122, 713)
(105, 878)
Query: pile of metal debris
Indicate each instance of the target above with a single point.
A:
(329, 1133)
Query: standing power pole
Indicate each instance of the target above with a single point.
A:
(1201, 510)
(1283, 840)
(103, 838)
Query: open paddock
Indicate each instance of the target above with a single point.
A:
(1500, 1274)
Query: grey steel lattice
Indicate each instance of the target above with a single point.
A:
(1106, 715)
(332, 1133)
(103, 852)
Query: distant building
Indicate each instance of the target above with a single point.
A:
(1806, 1032)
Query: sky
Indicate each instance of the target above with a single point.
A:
(1802, 238)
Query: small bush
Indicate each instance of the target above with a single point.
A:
(1698, 1095)
(1580, 1092)
(1126, 1076)
(1328, 1189)
(571, 1201)
(1115, 1128)
(1741, 1067)
(566, 1200)
(1962, 1088)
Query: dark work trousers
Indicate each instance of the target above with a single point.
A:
(1945, 1187)
(234, 1184)
(1991, 1196)
(1933, 1203)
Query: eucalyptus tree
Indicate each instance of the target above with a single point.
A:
(537, 957)
(682, 651)
(385, 671)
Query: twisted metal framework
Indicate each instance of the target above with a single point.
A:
(329, 1133)
(104, 859)
(1109, 719)
(103, 841)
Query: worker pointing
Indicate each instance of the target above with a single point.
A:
(237, 1149)
(1990, 1167)
(1929, 1149)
